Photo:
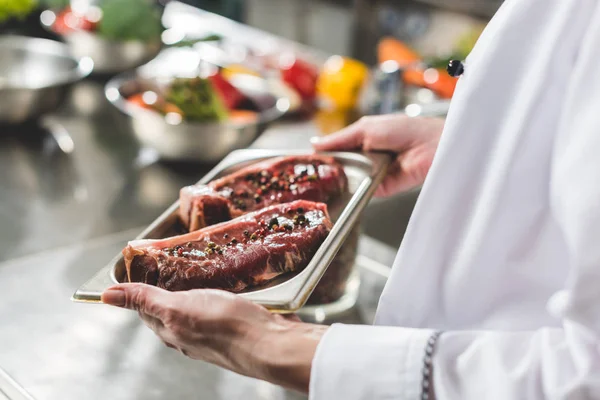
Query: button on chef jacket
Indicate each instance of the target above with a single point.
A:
(503, 249)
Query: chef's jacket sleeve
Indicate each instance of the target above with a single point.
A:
(560, 362)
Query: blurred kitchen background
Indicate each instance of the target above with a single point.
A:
(96, 140)
(369, 31)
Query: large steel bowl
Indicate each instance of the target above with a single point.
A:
(35, 75)
(110, 57)
(192, 141)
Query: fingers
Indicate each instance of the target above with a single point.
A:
(143, 298)
(406, 173)
(383, 132)
(348, 138)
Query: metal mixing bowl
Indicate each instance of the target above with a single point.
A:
(109, 57)
(35, 75)
(193, 141)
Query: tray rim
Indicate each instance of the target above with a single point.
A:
(292, 294)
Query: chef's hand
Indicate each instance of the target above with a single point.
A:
(226, 330)
(413, 140)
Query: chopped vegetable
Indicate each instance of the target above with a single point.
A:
(197, 100)
(301, 76)
(138, 100)
(243, 116)
(229, 94)
(393, 49)
(234, 69)
(437, 80)
(67, 21)
(130, 20)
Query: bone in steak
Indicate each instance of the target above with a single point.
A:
(279, 180)
(246, 251)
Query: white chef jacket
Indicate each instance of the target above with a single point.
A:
(502, 252)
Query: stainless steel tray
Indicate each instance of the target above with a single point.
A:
(288, 293)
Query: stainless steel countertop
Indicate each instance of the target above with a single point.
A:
(63, 216)
(57, 349)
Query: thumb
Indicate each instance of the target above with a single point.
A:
(137, 296)
(349, 138)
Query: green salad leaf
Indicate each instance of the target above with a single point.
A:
(130, 20)
(197, 99)
(16, 9)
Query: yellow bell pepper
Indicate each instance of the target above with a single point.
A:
(235, 69)
(330, 121)
(340, 82)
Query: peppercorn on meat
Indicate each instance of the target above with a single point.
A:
(247, 251)
(279, 180)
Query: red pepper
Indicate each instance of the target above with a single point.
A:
(67, 21)
(230, 95)
(301, 76)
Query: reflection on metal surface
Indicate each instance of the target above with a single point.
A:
(35, 76)
(320, 313)
(60, 134)
(10, 390)
(374, 266)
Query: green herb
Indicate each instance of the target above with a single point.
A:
(197, 99)
(130, 20)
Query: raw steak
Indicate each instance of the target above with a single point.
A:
(234, 255)
(279, 180)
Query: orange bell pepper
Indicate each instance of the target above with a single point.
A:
(393, 49)
(436, 79)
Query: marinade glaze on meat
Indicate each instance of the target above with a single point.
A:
(279, 180)
(246, 251)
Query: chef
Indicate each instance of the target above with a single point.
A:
(495, 291)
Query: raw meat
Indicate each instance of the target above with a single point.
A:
(247, 251)
(279, 180)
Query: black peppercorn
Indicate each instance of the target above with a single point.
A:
(273, 222)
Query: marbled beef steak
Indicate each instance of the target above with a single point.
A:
(279, 180)
(246, 251)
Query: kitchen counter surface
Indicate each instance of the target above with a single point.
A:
(63, 216)
(56, 349)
